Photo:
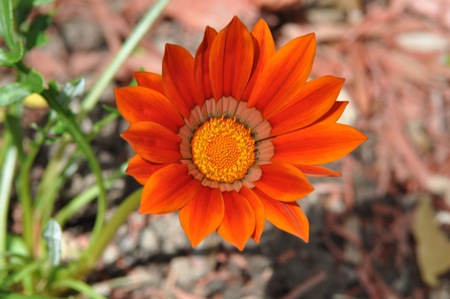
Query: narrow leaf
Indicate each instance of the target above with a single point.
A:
(13, 125)
(7, 33)
(6, 23)
(71, 91)
(53, 236)
(4, 294)
(35, 34)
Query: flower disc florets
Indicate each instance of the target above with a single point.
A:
(223, 149)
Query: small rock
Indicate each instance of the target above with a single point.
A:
(110, 254)
(81, 35)
(149, 241)
(424, 42)
(127, 244)
(187, 271)
(170, 233)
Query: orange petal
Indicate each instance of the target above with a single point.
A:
(334, 113)
(264, 48)
(238, 222)
(178, 78)
(283, 182)
(153, 142)
(287, 216)
(231, 60)
(317, 144)
(138, 104)
(168, 189)
(201, 67)
(284, 75)
(141, 170)
(150, 80)
(317, 171)
(314, 100)
(258, 211)
(203, 214)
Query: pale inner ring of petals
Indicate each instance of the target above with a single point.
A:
(251, 122)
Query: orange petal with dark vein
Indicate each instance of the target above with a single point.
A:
(202, 215)
(201, 67)
(153, 142)
(283, 182)
(264, 48)
(141, 170)
(150, 80)
(334, 113)
(317, 144)
(137, 104)
(284, 75)
(317, 171)
(231, 60)
(168, 189)
(314, 100)
(238, 222)
(287, 216)
(258, 211)
(178, 78)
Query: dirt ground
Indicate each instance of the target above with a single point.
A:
(379, 232)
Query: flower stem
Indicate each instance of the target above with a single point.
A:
(25, 190)
(131, 42)
(82, 267)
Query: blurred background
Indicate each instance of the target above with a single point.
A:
(381, 231)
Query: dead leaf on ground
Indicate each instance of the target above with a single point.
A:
(433, 245)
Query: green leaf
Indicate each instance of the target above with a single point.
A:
(79, 286)
(60, 126)
(7, 33)
(35, 34)
(6, 23)
(71, 91)
(53, 236)
(13, 125)
(41, 2)
(20, 4)
(23, 273)
(33, 80)
(12, 93)
(78, 136)
(8, 58)
(4, 294)
(110, 109)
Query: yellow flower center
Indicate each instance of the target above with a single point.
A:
(223, 149)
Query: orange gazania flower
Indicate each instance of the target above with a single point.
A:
(227, 137)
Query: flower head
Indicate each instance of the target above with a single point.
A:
(228, 137)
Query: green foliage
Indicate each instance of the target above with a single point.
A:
(30, 263)
(8, 58)
(13, 295)
(13, 93)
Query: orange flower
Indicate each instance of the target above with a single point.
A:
(227, 137)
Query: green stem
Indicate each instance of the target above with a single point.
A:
(84, 198)
(78, 286)
(51, 181)
(25, 186)
(139, 31)
(81, 268)
(84, 146)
